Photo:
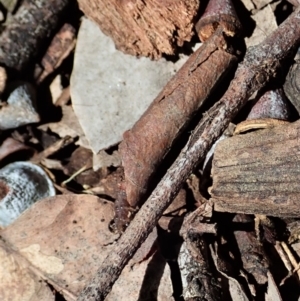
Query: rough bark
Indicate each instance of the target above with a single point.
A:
(259, 66)
(255, 174)
(22, 38)
(145, 145)
(148, 28)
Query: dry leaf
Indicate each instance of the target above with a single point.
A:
(67, 126)
(273, 292)
(111, 90)
(56, 88)
(103, 159)
(248, 4)
(265, 24)
(17, 282)
(236, 290)
(10, 146)
(64, 237)
(148, 280)
(261, 3)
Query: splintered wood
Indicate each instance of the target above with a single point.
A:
(259, 172)
(148, 28)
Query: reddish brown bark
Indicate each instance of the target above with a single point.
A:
(148, 28)
(61, 46)
(146, 144)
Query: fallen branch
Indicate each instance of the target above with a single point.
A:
(259, 66)
(145, 146)
(34, 22)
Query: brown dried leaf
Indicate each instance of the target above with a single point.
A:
(64, 237)
(10, 146)
(142, 281)
(17, 282)
(66, 244)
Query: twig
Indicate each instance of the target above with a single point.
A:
(52, 149)
(218, 13)
(260, 65)
(147, 143)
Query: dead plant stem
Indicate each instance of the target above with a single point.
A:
(260, 65)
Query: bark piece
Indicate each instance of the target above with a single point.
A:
(61, 46)
(147, 28)
(24, 35)
(197, 275)
(259, 66)
(197, 278)
(252, 254)
(292, 83)
(218, 13)
(146, 144)
(259, 176)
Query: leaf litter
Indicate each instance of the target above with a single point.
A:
(61, 240)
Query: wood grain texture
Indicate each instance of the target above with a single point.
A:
(147, 28)
(259, 172)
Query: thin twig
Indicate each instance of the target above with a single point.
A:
(260, 65)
